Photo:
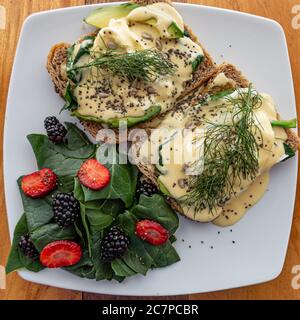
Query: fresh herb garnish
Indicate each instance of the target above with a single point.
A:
(146, 65)
(230, 153)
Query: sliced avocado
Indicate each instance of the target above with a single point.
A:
(175, 31)
(151, 22)
(221, 94)
(163, 188)
(100, 17)
(130, 121)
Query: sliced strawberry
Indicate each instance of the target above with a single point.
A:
(152, 232)
(39, 184)
(61, 253)
(93, 175)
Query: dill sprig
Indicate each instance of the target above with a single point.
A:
(230, 153)
(146, 65)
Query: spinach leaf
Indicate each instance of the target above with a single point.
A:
(63, 160)
(77, 144)
(104, 215)
(78, 226)
(163, 255)
(121, 269)
(83, 272)
(290, 153)
(50, 233)
(141, 255)
(17, 259)
(74, 57)
(71, 102)
(85, 227)
(84, 268)
(155, 208)
(127, 222)
(196, 63)
(103, 270)
(38, 211)
(134, 262)
(78, 192)
(99, 221)
(122, 183)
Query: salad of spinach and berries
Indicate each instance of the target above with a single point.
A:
(95, 220)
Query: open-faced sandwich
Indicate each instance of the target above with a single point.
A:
(234, 136)
(133, 69)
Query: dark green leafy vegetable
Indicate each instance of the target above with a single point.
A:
(64, 160)
(156, 208)
(122, 183)
(84, 268)
(71, 102)
(289, 152)
(103, 270)
(121, 269)
(33, 209)
(196, 63)
(51, 232)
(17, 259)
(99, 211)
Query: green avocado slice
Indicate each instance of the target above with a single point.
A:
(173, 29)
(163, 188)
(100, 17)
(115, 122)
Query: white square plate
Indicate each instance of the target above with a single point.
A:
(251, 252)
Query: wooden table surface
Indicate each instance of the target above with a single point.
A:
(16, 12)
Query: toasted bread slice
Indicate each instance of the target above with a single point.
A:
(193, 98)
(58, 55)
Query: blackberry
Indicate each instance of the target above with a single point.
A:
(65, 209)
(55, 130)
(146, 188)
(27, 247)
(114, 244)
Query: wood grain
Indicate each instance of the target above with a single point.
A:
(17, 11)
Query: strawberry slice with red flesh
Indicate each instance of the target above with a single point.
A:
(152, 232)
(39, 183)
(61, 253)
(93, 175)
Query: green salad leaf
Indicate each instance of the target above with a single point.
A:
(64, 160)
(17, 259)
(84, 268)
(156, 208)
(33, 209)
(122, 183)
(115, 205)
(51, 232)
